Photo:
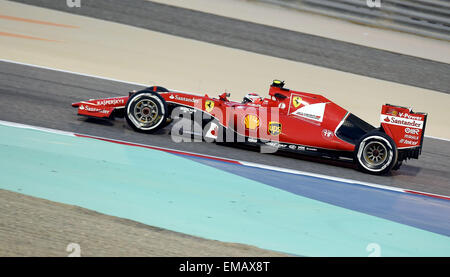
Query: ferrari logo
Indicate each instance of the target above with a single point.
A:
(251, 121)
(209, 105)
(274, 128)
(296, 101)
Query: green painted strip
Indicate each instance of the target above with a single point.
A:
(171, 192)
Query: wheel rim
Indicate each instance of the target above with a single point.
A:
(146, 112)
(375, 154)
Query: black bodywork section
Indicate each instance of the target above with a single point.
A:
(353, 129)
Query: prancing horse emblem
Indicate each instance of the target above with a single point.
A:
(296, 101)
(209, 105)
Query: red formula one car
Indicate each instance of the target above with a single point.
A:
(286, 120)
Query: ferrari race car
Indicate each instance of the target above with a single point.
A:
(286, 120)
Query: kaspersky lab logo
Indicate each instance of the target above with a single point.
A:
(73, 3)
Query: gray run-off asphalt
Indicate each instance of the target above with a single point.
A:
(42, 97)
(31, 226)
(265, 40)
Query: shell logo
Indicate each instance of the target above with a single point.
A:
(251, 121)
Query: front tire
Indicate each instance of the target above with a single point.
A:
(146, 111)
(376, 153)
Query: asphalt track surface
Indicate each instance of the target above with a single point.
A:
(265, 40)
(42, 97)
(33, 227)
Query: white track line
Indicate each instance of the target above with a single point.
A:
(244, 163)
(25, 126)
(119, 81)
(321, 176)
(74, 73)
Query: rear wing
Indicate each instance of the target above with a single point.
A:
(406, 128)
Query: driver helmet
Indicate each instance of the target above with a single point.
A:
(252, 98)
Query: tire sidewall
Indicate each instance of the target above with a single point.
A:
(387, 141)
(156, 99)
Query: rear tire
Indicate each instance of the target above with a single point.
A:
(397, 165)
(146, 111)
(376, 153)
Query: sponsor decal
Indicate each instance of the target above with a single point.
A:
(310, 116)
(90, 109)
(408, 116)
(409, 142)
(209, 105)
(313, 112)
(296, 101)
(412, 131)
(93, 110)
(411, 137)
(274, 128)
(193, 100)
(392, 112)
(327, 134)
(300, 148)
(402, 121)
(181, 98)
(112, 101)
(251, 121)
(272, 144)
(276, 144)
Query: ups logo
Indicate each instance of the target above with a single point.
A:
(274, 128)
